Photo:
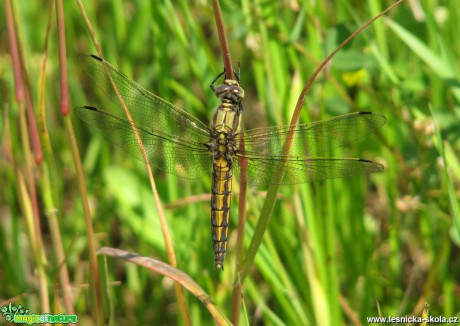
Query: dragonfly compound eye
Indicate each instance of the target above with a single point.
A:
(221, 89)
(238, 91)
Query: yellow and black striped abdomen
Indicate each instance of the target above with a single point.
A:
(220, 207)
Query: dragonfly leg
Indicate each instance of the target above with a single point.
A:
(241, 107)
(237, 76)
(213, 88)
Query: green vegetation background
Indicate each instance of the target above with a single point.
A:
(336, 251)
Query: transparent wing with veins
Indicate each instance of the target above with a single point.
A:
(307, 159)
(175, 141)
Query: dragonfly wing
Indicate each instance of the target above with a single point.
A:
(263, 170)
(311, 139)
(147, 110)
(166, 152)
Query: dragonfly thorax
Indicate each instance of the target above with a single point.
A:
(222, 144)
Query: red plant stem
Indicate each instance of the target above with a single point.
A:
(14, 52)
(20, 76)
(223, 40)
(64, 103)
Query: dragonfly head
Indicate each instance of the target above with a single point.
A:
(229, 90)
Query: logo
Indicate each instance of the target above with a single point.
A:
(20, 315)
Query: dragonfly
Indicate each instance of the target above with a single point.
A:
(178, 143)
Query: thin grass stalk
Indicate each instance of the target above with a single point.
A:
(19, 90)
(433, 274)
(22, 92)
(64, 109)
(454, 206)
(270, 199)
(21, 77)
(28, 130)
(349, 312)
(51, 213)
(237, 284)
(164, 226)
(27, 206)
(47, 189)
(227, 58)
(86, 211)
(172, 272)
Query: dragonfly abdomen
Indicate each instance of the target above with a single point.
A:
(220, 207)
